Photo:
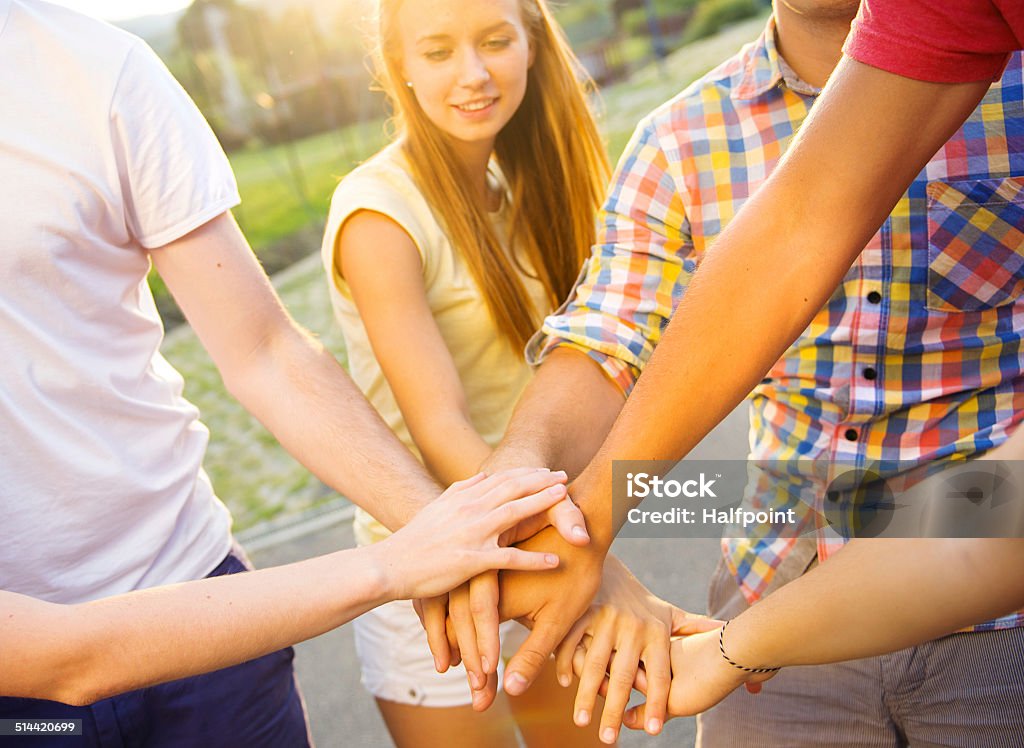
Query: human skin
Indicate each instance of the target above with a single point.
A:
(82, 653)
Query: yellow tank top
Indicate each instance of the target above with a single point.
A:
(492, 374)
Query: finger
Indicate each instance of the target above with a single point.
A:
(658, 679)
(567, 650)
(592, 674)
(620, 685)
(685, 624)
(484, 697)
(465, 632)
(483, 606)
(532, 656)
(517, 559)
(567, 518)
(634, 718)
(465, 483)
(453, 641)
(505, 480)
(514, 511)
(433, 612)
(518, 486)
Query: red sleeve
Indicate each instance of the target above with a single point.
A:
(933, 40)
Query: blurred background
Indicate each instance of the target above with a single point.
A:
(286, 86)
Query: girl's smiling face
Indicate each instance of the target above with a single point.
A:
(468, 64)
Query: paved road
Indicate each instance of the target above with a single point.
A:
(342, 714)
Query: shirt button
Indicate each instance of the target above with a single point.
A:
(851, 435)
(874, 297)
(870, 373)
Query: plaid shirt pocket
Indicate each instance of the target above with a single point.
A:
(975, 244)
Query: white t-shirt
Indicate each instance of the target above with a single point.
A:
(102, 156)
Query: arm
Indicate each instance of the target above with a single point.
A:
(285, 378)
(562, 416)
(592, 349)
(408, 344)
(644, 238)
(853, 606)
(82, 653)
(777, 262)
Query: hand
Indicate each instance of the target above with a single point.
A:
(564, 516)
(472, 626)
(470, 632)
(548, 605)
(456, 536)
(627, 626)
(700, 679)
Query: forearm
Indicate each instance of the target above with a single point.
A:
(82, 653)
(451, 447)
(878, 596)
(302, 395)
(562, 417)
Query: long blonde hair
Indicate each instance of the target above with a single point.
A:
(550, 152)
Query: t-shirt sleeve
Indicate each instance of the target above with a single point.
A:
(942, 42)
(173, 173)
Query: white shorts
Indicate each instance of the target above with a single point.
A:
(397, 664)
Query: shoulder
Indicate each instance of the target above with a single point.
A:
(687, 112)
(383, 185)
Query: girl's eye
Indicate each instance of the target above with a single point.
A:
(500, 42)
(437, 54)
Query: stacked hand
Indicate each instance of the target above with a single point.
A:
(701, 677)
(459, 534)
(463, 624)
(622, 641)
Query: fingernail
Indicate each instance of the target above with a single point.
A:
(653, 726)
(582, 718)
(557, 490)
(474, 680)
(515, 684)
(485, 664)
(551, 559)
(579, 532)
(560, 474)
(563, 680)
(437, 665)
(608, 735)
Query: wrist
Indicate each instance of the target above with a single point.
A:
(596, 504)
(743, 652)
(384, 569)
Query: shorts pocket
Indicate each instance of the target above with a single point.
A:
(975, 244)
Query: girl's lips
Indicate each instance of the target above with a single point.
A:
(475, 114)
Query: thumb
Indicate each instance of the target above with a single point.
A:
(567, 518)
(532, 656)
(685, 624)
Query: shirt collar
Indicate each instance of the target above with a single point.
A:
(764, 69)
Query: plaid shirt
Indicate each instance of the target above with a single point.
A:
(916, 357)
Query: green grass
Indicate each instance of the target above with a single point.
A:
(250, 471)
(287, 187)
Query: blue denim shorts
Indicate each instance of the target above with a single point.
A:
(251, 705)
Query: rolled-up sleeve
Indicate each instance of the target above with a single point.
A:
(636, 273)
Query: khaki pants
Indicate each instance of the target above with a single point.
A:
(962, 690)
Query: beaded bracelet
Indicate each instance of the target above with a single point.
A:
(721, 648)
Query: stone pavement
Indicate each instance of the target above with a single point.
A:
(342, 714)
